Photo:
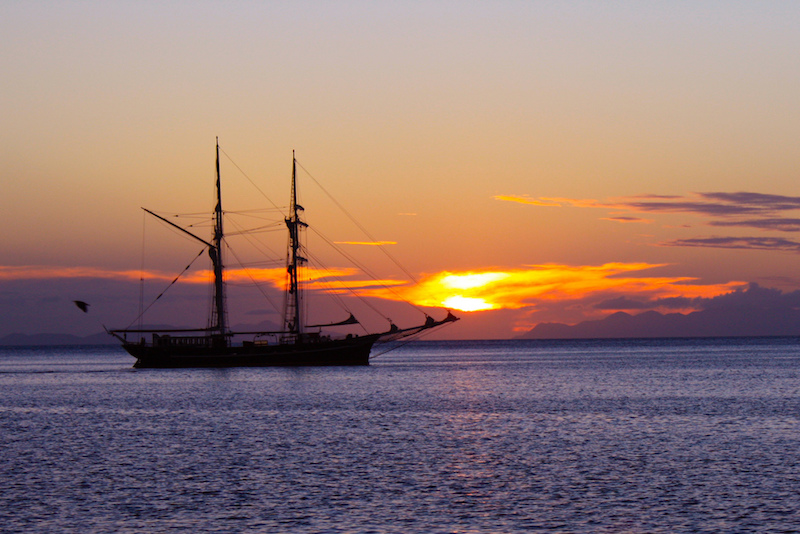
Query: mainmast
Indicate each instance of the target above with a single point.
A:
(218, 314)
(293, 305)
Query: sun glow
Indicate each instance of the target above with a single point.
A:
(467, 304)
(471, 280)
(521, 288)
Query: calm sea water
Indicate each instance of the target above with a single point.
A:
(590, 436)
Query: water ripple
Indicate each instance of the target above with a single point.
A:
(438, 437)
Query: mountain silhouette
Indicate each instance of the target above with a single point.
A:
(755, 311)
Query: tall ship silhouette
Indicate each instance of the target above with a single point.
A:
(295, 344)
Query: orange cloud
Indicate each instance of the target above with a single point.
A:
(369, 243)
(626, 219)
(527, 200)
(338, 281)
(556, 202)
(275, 276)
(519, 288)
(39, 272)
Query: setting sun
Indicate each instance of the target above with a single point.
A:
(467, 304)
(471, 280)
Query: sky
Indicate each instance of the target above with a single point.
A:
(525, 162)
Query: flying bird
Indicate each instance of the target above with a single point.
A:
(82, 305)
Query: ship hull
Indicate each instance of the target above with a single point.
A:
(340, 352)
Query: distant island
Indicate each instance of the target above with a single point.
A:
(755, 311)
(653, 324)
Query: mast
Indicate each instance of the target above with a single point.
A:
(293, 305)
(218, 314)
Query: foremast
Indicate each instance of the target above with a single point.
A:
(218, 320)
(219, 314)
(293, 305)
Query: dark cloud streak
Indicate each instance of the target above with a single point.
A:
(779, 225)
(700, 208)
(741, 209)
(761, 200)
(714, 204)
(624, 219)
(747, 243)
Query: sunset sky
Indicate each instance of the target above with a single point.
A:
(524, 161)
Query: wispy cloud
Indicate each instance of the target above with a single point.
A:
(714, 204)
(741, 209)
(366, 243)
(764, 201)
(39, 272)
(749, 243)
(527, 200)
(711, 204)
(712, 209)
(554, 202)
(276, 276)
(777, 224)
(626, 219)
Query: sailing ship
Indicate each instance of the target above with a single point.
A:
(296, 344)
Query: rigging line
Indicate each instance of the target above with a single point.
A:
(368, 272)
(251, 181)
(259, 245)
(176, 229)
(255, 210)
(328, 286)
(252, 278)
(260, 266)
(377, 282)
(188, 214)
(269, 219)
(169, 286)
(197, 220)
(409, 339)
(201, 219)
(352, 291)
(366, 233)
(260, 230)
(266, 226)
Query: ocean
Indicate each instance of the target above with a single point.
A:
(647, 436)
